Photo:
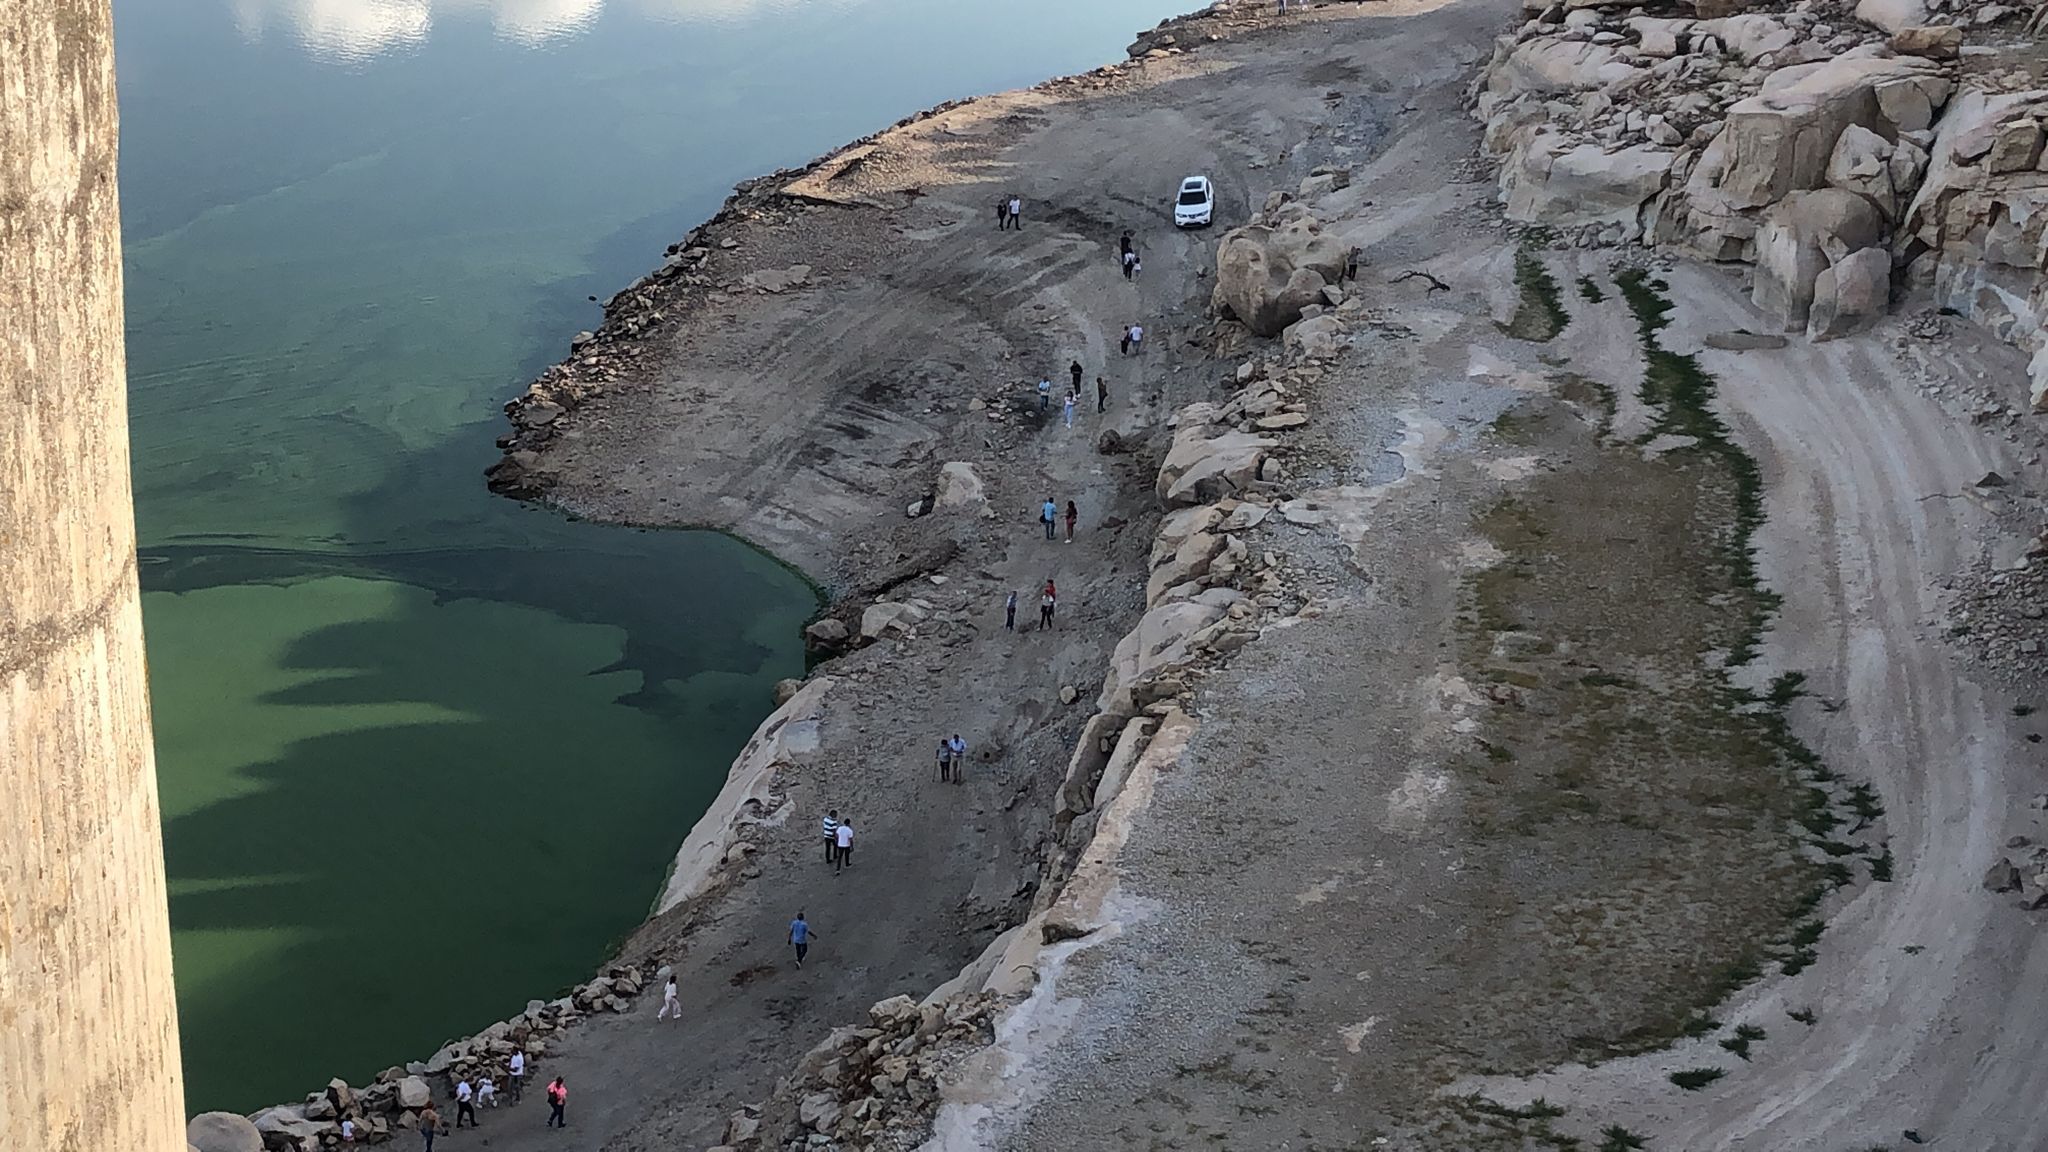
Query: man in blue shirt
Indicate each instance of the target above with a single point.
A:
(1048, 513)
(800, 937)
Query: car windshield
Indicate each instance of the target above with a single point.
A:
(1193, 196)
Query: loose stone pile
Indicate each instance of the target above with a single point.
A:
(870, 1086)
(392, 1104)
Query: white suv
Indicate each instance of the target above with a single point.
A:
(1196, 203)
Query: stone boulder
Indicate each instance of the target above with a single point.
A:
(1545, 65)
(1199, 469)
(889, 618)
(1781, 139)
(1800, 237)
(1850, 295)
(1550, 180)
(1862, 163)
(960, 486)
(413, 1093)
(826, 635)
(288, 1128)
(1892, 15)
(1266, 274)
(223, 1132)
(1315, 338)
(786, 690)
(1159, 646)
(1935, 42)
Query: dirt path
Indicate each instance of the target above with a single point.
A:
(808, 419)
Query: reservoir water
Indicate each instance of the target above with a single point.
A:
(425, 753)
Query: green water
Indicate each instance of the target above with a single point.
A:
(425, 753)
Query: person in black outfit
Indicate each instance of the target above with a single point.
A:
(1074, 370)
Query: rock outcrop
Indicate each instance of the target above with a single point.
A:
(1837, 151)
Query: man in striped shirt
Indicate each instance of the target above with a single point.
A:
(832, 836)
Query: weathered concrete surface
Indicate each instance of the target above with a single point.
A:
(88, 1032)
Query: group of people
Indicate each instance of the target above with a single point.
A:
(1072, 400)
(838, 841)
(1010, 212)
(953, 759)
(483, 1093)
(1049, 515)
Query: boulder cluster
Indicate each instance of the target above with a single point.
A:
(867, 1086)
(1839, 151)
(392, 1104)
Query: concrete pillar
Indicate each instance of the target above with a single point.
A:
(88, 1026)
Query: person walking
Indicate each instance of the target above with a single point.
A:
(831, 836)
(1130, 264)
(800, 935)
(1067, 410)
(430, 1125)
(1124, 345)
(515, 1074)
(1138, 338)
(1017, 213)
(486, 1093)
(845, 846)
(1137, 266)
(1047, 601)
(959, 749)
(671, 1004)
(465, 1103)
(1074, 370)
(1101, 394)
(558, 1103)
(1123, 244)
(1072, 512)
(1048, 515)
(945, 761)
(1010, 613)
(1045, 395)
(1002, 213)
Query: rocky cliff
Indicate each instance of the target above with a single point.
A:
(1844, 154)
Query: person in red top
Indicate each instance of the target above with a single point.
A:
(558, 1099)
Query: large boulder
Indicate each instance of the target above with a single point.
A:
(288, 1128)
(889, 618)
(223, 1132)
(1781, 139)
(1199, 469)
(960, 486)
(1266, 274)
(1159, 646)
(1549, 180)
(1850, 295)
(1800, 237)
(1550, 65)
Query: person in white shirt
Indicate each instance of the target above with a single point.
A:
(1137, 337)
(845, 845)
(465, 1104)
(515, 1075)
(348, 1130)
(1017, 213)
(487, 1093)
(670, 1005)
